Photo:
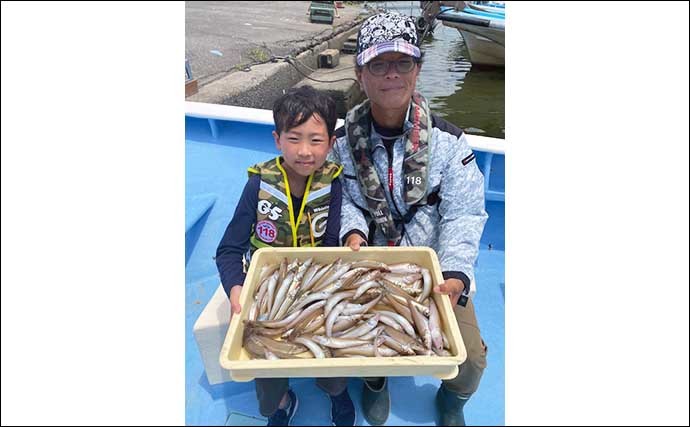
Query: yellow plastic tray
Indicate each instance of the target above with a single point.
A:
(242, 368)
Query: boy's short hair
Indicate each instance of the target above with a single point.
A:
(299, 104)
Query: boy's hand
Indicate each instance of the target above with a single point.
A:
(451, 287)
(235, 292)
(354, 241)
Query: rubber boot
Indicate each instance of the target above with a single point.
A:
(376, 403)
(449, 406)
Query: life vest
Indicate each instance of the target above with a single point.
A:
(415, 162)
(278, 222)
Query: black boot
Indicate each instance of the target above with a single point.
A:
(449, 406)
(343, 410)
(376, 402)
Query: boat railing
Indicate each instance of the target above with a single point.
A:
(214, 112)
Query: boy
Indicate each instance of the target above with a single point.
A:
(292, 200)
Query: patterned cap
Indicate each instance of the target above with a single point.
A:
(386, 32)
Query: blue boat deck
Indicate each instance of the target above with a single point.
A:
(217, 156)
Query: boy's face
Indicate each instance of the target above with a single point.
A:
(304, 147)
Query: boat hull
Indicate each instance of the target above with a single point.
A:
(220, 142)
(485, 45)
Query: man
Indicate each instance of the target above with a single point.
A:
(410, 179)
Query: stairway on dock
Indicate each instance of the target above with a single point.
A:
(338, 81)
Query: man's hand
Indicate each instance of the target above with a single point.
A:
(235, 292)
(452, 288)
(354, 241)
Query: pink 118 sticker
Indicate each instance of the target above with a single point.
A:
(266, 231)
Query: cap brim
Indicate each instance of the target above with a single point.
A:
(400, 46)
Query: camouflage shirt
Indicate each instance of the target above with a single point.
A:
(451, 227)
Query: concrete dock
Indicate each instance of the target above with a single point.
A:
(236, 51)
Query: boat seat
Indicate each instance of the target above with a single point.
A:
(209, 332)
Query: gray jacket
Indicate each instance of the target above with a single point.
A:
(453, 226)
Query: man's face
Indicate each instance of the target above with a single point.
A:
(394, 88)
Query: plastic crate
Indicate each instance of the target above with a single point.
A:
(242, 368)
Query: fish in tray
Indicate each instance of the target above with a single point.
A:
(357, 309)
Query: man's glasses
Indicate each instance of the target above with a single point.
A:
(379, 67)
